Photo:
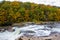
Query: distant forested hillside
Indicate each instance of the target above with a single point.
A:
(15, 12)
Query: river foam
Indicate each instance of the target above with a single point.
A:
(35, 30)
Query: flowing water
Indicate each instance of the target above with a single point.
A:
(35, 30)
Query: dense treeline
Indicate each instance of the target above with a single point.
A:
(15, 12)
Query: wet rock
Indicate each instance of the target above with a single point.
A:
(10, 29)
(2, 30)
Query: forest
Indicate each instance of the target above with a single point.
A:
(16, 12)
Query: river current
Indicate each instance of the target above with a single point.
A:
(35, 30)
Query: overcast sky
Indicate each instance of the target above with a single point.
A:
(46, 2)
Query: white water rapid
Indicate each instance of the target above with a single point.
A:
(35, 30)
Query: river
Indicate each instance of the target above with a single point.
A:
(34, 30)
